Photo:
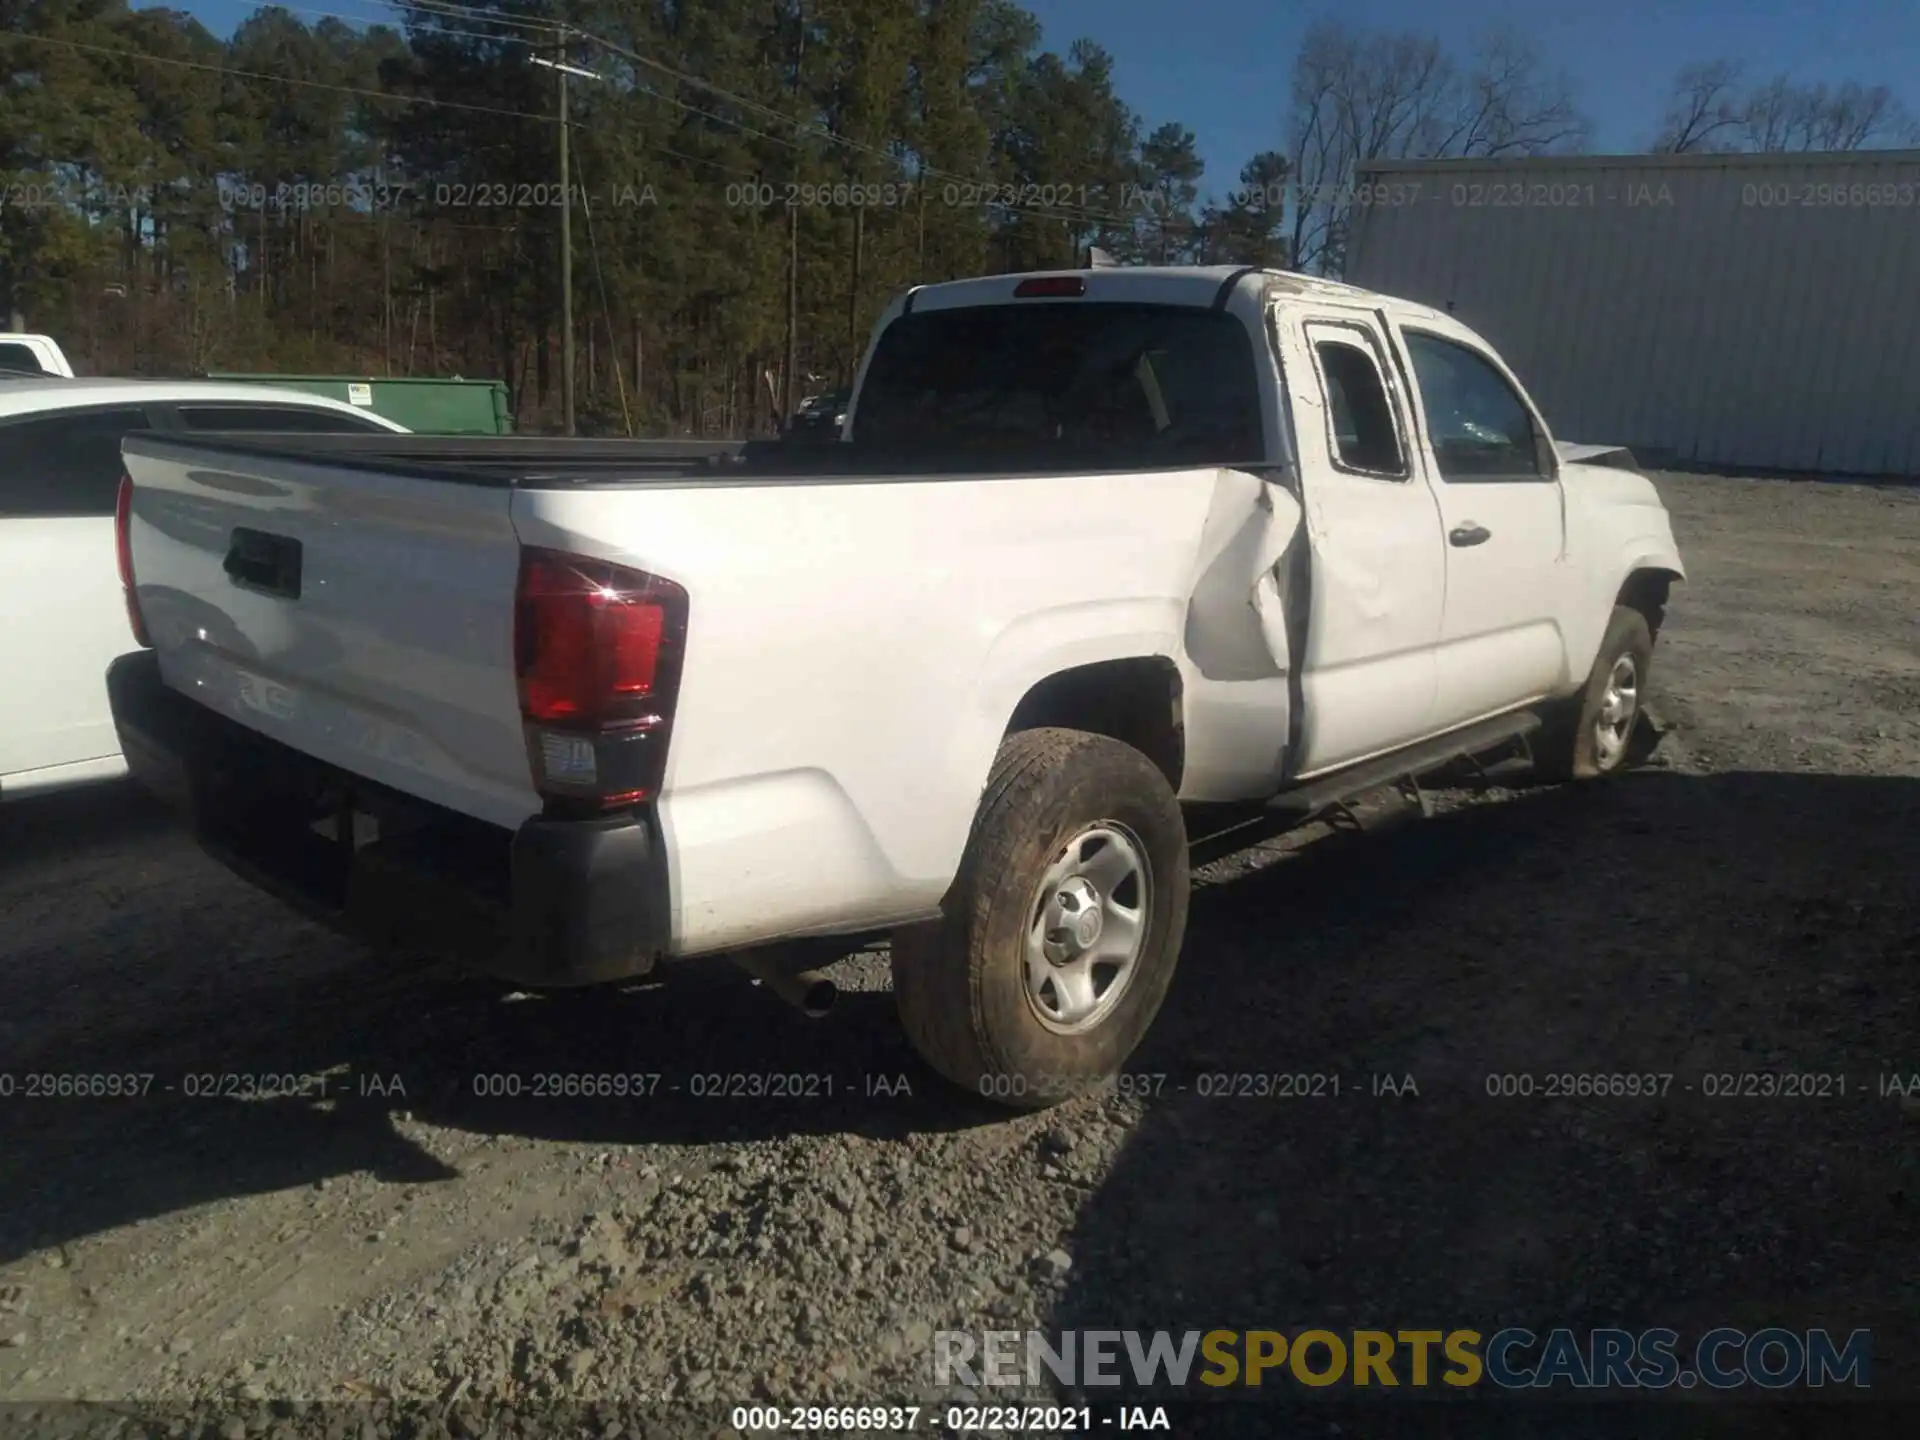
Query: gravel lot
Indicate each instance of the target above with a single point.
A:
(1747, 902)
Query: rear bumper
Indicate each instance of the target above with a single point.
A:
(556, 902)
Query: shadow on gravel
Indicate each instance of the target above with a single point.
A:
(1662, 925)
(280, 1057)
(332, 1059)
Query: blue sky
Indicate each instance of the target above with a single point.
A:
(1221, 66)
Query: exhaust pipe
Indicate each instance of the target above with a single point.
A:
(808, 991)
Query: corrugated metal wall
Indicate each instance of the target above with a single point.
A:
(1738, 311)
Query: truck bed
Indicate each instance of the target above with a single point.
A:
(494, 460)
(858, 637)
(559, 462)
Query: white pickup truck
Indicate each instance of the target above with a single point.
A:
(33, 355)
(1100, 550)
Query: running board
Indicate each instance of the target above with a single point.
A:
(1328, 791)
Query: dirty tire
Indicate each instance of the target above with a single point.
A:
(960, 983)
(1567, 746)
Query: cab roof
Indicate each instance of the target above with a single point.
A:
(1198, 285)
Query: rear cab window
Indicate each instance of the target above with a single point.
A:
(15, 356)
(1075, 385)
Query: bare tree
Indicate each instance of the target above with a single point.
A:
(1703, 107)
(1399, 96)
(1783, 116)
(1710, 109)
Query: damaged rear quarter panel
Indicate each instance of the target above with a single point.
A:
(1241, 676)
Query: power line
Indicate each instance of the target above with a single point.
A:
(1065, 214)
(431, 10)
(720, 119)
(289, 80)
(427, 100)
(263, 5)
(741, 100)
(817, 130)
(474, 15)
(442, 10)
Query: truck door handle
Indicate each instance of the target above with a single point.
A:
(1469, 534)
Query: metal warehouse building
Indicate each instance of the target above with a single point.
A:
(1736, 311)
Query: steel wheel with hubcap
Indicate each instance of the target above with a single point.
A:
(1619, 708)
(1089, 922)
(1059, 937)
(1591, 734)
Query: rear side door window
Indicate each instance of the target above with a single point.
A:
(294, 418)
(1363, 432)
(65, 464)
(1479, 427)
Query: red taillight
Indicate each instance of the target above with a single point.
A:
(1050, 285)
(597, 650)
(123, 552)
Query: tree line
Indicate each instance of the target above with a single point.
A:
(749, 182)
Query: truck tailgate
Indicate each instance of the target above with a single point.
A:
(365, 619)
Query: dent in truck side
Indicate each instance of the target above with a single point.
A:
(1243, 642)
(1377, 583)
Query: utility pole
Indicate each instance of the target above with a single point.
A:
(566, 253)
(853, 293)
(563, 68)
(787, 397)
(788, 393)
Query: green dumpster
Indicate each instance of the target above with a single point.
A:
(425, 405)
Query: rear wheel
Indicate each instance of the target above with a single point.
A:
(1062, 929)
(1591, 734)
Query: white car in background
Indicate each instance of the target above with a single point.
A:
(63, 616)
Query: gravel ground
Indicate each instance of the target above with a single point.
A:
(1746, 902)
